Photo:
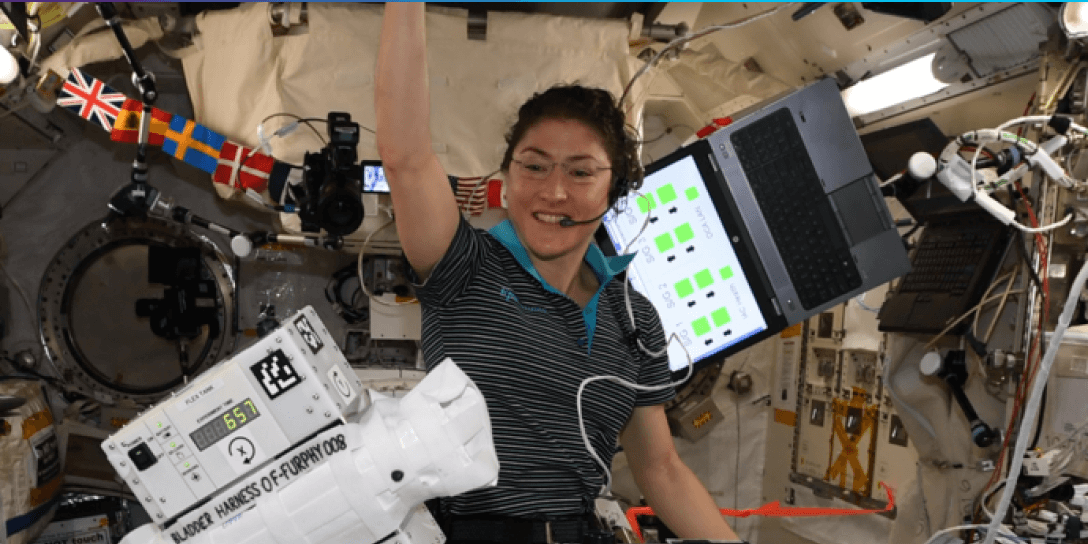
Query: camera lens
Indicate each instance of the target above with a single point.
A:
(341, 209)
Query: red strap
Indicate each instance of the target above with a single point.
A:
(773, 509)
(717, 123)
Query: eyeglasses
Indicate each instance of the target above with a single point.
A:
(584, 170)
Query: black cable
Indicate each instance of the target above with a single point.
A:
(300, 120)
(667, 131)
(33, 373)
(1024, 256)
(309, 119)
(237, 333)
(1039, 422)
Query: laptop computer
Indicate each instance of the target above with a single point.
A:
(763, 224)
(957, 255)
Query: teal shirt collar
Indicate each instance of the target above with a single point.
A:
(604, 267)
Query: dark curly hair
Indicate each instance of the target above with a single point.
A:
(599, 111)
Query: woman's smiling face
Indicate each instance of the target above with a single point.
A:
(559, 170)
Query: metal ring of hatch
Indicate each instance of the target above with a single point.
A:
(94, 243)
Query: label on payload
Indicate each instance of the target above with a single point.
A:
(242, 451)
(191, 398)
(244, 495)
(340, 382)
(309, 335)
(275, 374)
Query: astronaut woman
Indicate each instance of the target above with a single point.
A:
(529, 309)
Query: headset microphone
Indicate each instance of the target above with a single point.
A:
(568, 222)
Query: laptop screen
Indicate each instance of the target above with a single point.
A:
(686, 265)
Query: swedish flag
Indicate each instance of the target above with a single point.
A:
(193, 143)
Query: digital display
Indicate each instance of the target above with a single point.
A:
(374, 179)
(686, 264)
(231, 420)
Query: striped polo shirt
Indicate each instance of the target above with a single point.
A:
(528, 347)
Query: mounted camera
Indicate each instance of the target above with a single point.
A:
(188, 304)
(331, 189)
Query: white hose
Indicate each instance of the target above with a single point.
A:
(1016, 462)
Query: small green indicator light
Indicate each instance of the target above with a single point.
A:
(703, 279)
(684, 288)
(720, 317)
(666, 194)
(664, 242)
(701, 326)
(684, 233)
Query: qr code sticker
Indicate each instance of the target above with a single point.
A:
(275, 374)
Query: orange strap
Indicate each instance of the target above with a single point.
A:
(772, 509)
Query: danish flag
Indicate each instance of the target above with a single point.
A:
(91, 99)
(254, 170)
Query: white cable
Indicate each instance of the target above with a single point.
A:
(472, 194)
(35, 34)
(1016, 461)
(607, 470)
(891, 180)
(980, 137)
(359, 268)
(1044, 228)
(684, 39)
(942, 532)
(627, 291)
(1038, 119)
(1066, 451)
(860, 299)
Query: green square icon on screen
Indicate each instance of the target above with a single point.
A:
(664, 242)
(701, 326)
(727, 272)
(666, 194)
(692, 193)
(646, 203)
(684, 288)
(703, 279)
(720, 317)
(684, 233)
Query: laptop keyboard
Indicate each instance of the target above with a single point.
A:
(947, 259)
(793, 202)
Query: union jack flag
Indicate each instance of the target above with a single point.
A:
(90, 99)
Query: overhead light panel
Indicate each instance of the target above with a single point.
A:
(1074, 20)
(906, 82)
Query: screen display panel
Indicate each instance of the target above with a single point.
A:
(374, 178)
(230, 420)
(686, 265)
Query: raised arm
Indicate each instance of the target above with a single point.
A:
(425, 209)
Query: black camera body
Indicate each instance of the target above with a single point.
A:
(331, 189)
